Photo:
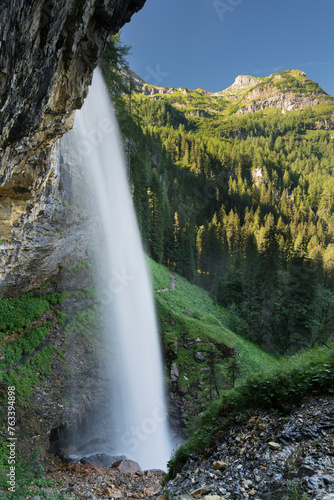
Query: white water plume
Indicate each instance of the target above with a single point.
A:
(139, 425)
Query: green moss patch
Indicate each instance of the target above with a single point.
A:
(17, 314)
(34, 370)
(24, 345)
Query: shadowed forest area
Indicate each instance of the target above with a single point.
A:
(240, 204)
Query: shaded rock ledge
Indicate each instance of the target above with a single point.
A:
(48, 52)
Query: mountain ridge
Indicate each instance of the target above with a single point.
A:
(287, 90)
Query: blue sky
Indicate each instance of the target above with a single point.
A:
(207, 43)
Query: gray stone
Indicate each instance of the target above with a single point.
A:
(328, 480)
(201, 491)
(305, 470)
(199, 357)
(100, 460)
(274, 446)
(311, 483)
(174, 372)
(128, 467)
(90, 495)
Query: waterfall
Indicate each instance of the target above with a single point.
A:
(139, 427)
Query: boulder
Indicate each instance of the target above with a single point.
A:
(100, 460)
(128, 467)
(199, 357)
(174, 373)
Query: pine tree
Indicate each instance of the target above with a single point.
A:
(251, 286)
(156, 217)
(296, 317)
(269, 273)
(186, 263)
(168, 241)
(113, 62)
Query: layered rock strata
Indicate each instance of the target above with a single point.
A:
(48, 52)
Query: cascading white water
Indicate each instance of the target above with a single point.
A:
(139, 420)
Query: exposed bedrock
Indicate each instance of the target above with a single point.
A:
(48, 52)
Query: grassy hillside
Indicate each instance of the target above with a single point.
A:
(190, 323)
(263, 381)
(187, 313)
(205, 317)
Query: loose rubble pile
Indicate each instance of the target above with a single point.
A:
(124, 479)
(266, 458)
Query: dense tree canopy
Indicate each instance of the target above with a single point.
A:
(242, 205)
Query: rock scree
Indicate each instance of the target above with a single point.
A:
(265, 457)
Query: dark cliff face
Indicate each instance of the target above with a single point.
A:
(48, 51)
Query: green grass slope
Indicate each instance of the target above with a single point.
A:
(192, 325)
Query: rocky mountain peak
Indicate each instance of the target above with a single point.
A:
(287, 90)
(245, 81)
